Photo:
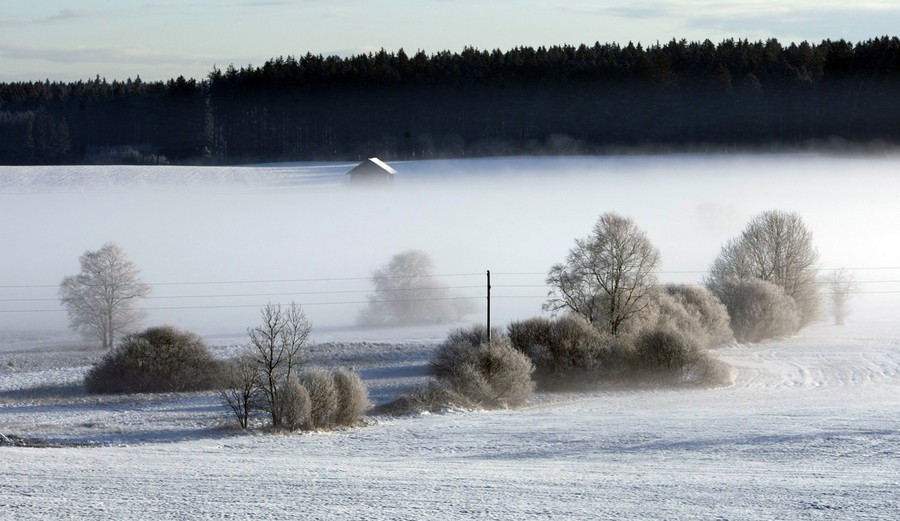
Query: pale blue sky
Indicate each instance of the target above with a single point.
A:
(161, 39)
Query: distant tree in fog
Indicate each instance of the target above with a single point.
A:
(406, 292)
(100, 300)
(839, 284)
(608, 276)
(777, 247)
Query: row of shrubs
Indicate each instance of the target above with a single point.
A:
(667, 345)
(322, 400)
(167, 359)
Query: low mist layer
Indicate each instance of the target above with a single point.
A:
(217, 243)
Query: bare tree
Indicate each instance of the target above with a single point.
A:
(776, 247)
(406, 292)
(100, 300)
(241, 389)
(840, 285)
(277, 346)
(608, 276)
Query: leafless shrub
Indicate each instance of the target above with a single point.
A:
(434, 397)
(324, 400)
(668, 356)
(534, 331)
(568, 351)
(459, 349)
(532, 337)
(353, 398)
(241, 388)
(664, 350)
(669, 312)
(701, 303)
(295, 405)
(760, 310)
(575, 344)
(159, 359)
(278, 351)
(491, 374)
(665, 343)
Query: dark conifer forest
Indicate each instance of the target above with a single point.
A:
(737, 95)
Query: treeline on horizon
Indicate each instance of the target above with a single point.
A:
(562, 99)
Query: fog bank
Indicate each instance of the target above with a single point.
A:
(217, 243)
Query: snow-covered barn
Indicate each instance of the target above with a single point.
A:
(372, 170)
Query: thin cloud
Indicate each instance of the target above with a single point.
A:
(762, 18)
(62, 16)
(729, 10)
(813, 23)
(93, 55)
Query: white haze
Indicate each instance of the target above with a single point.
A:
(222, 225)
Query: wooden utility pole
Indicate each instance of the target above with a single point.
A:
(489, 306)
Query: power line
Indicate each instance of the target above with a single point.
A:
(264, 281)
(280, 294)
(356, 302)
(370, 278)
(238, 306)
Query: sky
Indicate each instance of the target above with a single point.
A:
(161, 39)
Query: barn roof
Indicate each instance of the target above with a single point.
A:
(373, 165)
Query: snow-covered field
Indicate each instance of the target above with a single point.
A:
(809, 429)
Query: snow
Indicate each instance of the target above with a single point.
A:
(809, 429)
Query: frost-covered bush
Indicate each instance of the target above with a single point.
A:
(489, 374)
(324, 399)
(353, 398)
(668, 355)
(447, 359)
(702, 304)
(667, 342)
(760, 310)
(670, 342)
(435, 396)
(295, 405)
(664, 350)
(567, 350)
(531, 336)
(776, 246)
(576, 345)
(159, 359)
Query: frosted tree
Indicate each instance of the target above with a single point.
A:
(241, 387)
(776, 247)
(101, 299)
(608, 276)
(407, 292)
(840, 285)
(277, 348)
